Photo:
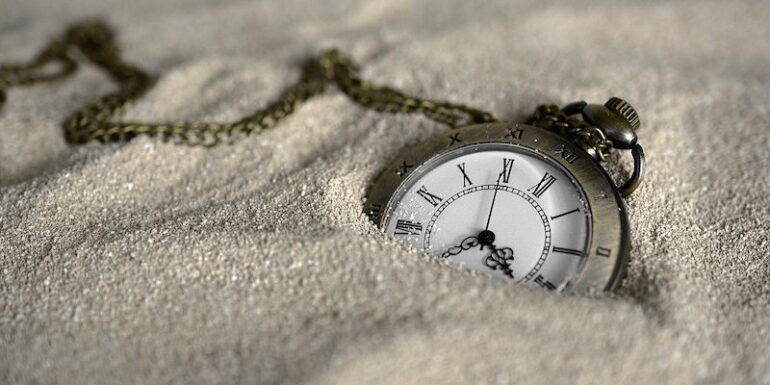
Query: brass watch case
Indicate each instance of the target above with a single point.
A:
(609, 243)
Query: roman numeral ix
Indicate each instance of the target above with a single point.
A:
(546, 182)
(431, 198)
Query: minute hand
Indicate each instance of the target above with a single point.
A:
(492, 206)
(486, 237)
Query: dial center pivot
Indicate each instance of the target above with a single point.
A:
(486, 238)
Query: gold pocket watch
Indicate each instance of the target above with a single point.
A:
(525, 203)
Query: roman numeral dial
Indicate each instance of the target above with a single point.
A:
(505, 174)
(466, 178)
(545, 182)
(576, 210)
(433, 199)
(405, 227)
(544, 283)
(565, 250)
(501, 208)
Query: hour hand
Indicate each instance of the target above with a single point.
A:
(466, 244)
(500, 259)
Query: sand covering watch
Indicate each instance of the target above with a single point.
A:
(523, 202)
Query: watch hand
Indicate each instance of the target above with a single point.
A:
(466, 244)
(492, 206)
(500, 259)
(486, 237)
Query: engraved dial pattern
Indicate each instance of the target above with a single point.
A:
(498, 208)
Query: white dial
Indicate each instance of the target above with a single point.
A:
(499, 208)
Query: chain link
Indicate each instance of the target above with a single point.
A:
(98, 120)
(590, 138)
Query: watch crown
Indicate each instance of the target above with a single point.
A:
(617, 119)
(624, 110)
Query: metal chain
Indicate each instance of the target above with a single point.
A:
(97, 120)
(590, 138)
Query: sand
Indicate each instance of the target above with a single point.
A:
(151, 263)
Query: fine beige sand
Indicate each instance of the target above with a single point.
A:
(151, 263)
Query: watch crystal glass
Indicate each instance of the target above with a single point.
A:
(499, 208)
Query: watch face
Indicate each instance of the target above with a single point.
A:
(515, 202)
(498, 208)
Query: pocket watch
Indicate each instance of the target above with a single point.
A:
(526, 203)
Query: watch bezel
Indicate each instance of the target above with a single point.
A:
(601, 269)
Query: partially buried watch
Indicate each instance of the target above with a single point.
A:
(525, 203)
